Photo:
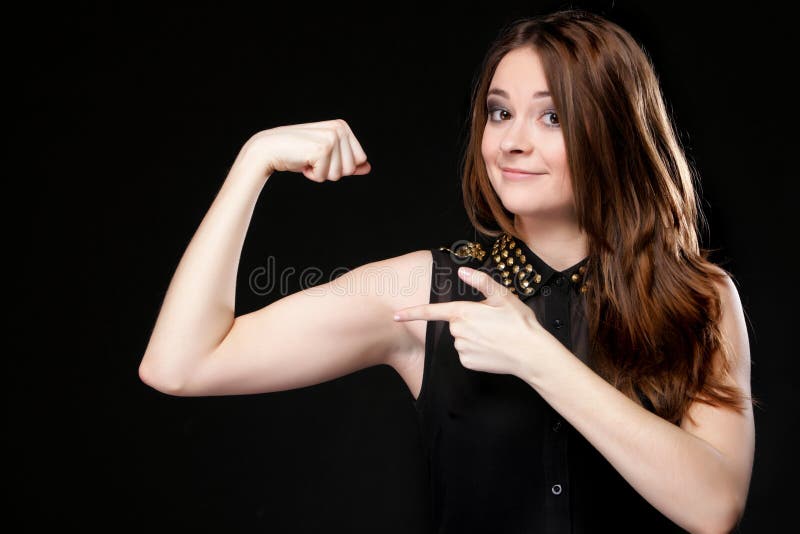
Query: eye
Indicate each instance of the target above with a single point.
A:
(554, 122)
(493, 110)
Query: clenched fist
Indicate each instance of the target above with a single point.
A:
(322, 151)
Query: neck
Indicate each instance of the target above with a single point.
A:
(559, 243)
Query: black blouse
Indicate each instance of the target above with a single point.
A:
(500, 458)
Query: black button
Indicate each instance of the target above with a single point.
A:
(559, 280)
(557, 323)
(557, 426)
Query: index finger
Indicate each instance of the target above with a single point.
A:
(441, 311)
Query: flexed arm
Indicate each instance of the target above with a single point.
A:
(198, 347)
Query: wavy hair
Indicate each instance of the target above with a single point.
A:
(652, 305)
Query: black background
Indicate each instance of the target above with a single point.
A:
(125, 122)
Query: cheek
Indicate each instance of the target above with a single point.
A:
(556, 155)
(486, 147)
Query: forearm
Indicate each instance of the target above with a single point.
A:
(681, 475)
(198, 308)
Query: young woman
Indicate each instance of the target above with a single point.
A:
(590, 373)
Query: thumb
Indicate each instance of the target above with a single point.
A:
(364, 168)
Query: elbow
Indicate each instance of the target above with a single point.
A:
(727, 520)
(734, 516)
(159, 379)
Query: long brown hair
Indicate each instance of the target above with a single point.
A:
(653, 308)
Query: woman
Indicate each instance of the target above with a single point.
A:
(590, 374)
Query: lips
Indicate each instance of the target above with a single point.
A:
(509, 173)
(518, 171)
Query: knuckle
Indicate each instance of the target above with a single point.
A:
(317, 153)
(331, 137)
(456, 327)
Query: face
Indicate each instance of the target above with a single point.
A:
(523, 132)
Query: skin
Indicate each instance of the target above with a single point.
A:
(523, 132)
(697, 475)
(199, 348)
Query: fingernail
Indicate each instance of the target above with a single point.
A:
(396, 316)
(464, 271)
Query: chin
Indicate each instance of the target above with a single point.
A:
(524, 208)
(531, 208)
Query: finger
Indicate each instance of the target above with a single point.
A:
(359, 156)
(495, 292)
(442, 311)
(319, 125)
(346, 153)
(335, 169)
(358, 150)
(364, 168)
(317, 168)
(323, 162)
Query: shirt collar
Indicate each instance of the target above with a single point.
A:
(516, 266)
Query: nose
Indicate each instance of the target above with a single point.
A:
(517, 138)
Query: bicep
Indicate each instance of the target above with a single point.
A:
(730, 432)
(309, 337)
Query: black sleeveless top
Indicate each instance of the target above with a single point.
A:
(500, 458)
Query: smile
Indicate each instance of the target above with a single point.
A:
(519, 176)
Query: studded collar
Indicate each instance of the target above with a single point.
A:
(516, 266)
(525, 273)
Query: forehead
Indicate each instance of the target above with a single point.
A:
(520, 70)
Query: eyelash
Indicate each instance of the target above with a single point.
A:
(492, 109)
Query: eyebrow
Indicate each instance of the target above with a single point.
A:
(537, 94)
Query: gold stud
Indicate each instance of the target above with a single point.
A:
(512, 244)
(522, 275)
(510, 261)
(525, 283)
(584, 289)
(528, 267)
(582, 269)
(505, 274)
(501, 265)
(506, 281)
(504, 253)
(516, 268)
(522, 258)
(518, 251)
(537, 278)
(574, 277)
(528, 290)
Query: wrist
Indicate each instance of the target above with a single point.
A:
(252, 163)
(542, 362)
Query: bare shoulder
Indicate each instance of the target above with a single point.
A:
(394, 283)
(730, 432)
(410, 285)
(733, 325)
(410, 279)
(408, 267)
